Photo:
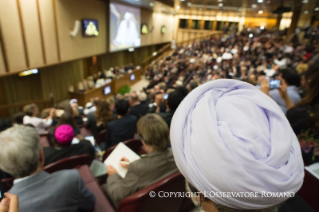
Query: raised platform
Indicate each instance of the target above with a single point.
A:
(115, 85)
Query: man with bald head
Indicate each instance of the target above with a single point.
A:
(234, 146)
(137, 109)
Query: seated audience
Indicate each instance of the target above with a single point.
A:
(192, 86)
(63, 137)
(37, 189)
(304, 118)
(31, 112)
(123, 128)
(173, 100)
(67, 118)
(137, 109)
(75, 113)
(239, 128)
(5, 124)
(18, 118)
(143, 98)
(158, 162)
(97, 122)
(292, 80)
(89, 107)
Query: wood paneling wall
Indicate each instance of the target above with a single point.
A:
(50, 42)
(56, 79)
(31, 28)
(19, 89)
(2, 64)
(12, 36)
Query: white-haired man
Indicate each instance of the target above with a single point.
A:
(22, 157)
(234, 145)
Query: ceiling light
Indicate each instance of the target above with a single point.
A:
(317, 9)
(251, 35)
(260, 1)
(220, 5)
(182, 0)
(306, 12)
(189, 4)
(220, 0)
(262, 27)
(151, 4)
(260, 12)
(178, 7)
(305, 1)
(131, 49)
(253, 5)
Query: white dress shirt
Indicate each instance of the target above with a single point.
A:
(38, 123)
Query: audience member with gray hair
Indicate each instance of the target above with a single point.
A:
(22, 157)
(137, 109)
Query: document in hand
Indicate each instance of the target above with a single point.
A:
(313, 169)
(120, 151)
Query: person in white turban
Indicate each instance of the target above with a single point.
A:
(227, 136)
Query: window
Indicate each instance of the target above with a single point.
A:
(220, 25)
(196, 24)
(208, 25)
(183, 23)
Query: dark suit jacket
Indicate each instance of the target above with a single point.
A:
(120, 130)
(141, 173)
(52, 154)
(139, 110)
(62, 191)
(167, 116)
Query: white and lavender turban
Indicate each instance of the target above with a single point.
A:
(227, 136)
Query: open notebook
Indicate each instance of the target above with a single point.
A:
(313, 169)
(120, 151)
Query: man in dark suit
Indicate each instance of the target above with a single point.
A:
(137, 109)
(123, 128)
(173, 101)
(22, 157)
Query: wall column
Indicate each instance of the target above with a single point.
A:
(295, 17)
(279, 17)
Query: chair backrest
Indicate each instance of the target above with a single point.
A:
(100, 137)
(7, 184)
(102, 204)
(142, 202)
(133, 144)
(69, 163)
(44, 139)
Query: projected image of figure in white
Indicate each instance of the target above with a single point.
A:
(124, 22)
(127, 32)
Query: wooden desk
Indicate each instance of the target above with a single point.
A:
(116, 85)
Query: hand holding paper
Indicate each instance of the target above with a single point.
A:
(121, 153)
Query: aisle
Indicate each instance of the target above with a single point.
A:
(139, 85)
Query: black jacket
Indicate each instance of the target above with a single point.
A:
(120, 130)
(139, 110)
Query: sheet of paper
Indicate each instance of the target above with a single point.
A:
(313, 169)
(98, 168)
(120, 151)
